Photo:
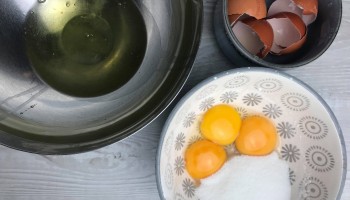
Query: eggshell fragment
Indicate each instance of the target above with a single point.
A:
(235, 18)
(294, 47)
(310, 10)
(295, 19)
(254, 8)
(284, 32)
(232, 19)
(248, 38)
(289, 33)
(284, 6)
(308, 6)
(264, 30)
(306, 9)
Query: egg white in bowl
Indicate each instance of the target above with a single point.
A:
(310, 139)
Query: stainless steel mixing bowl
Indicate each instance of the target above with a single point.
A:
(36, 118)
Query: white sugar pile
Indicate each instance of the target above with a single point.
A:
(248, 178)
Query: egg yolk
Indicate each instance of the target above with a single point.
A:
(204, 158)
(257, 137)
(221, 124)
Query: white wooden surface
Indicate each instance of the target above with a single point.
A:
(126, 170)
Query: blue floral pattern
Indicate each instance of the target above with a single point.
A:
(313, 127)
(295, 101)
(169, 179)
(207, 104)
(290, 153)
(242, 112)
(178, 196)
(194, 139)
(189, 119)
(319, 159)
(252, 99)
(180, 141)
(286, 130)
(268, 85)
(168, 143)
(237, 81)
(188, 187)
(207, 91)
(312, 188)
(179, 165)
(228, 97)
(292, 176)
(272, 111)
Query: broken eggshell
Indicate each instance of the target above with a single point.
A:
(310, 10)
(254, 8)
(255, 35)
(284, 6)
(264, 30)
(306, 9)
(289, 33)
(248, 38)
(294, 47)
(235, 17)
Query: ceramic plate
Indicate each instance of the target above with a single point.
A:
(311, 141)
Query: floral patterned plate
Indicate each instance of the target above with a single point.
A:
(310, 137)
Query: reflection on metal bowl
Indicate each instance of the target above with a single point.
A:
(37, 118)
(85, 48)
